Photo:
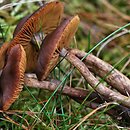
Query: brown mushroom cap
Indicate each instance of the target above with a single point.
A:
(45, 19)
(12, 77)
(58, 39)
(3, 51)
(20, 24)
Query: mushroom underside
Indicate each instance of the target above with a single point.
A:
(43, 21)
(12, 77)
(52, 44)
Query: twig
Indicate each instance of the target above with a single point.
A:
(93, 101)
(125, 65)
(95, 84)
(90, 114)
(112, 76)
(110, 39)
(117, 112)
(12, 121)
(17, 3)
(69, 91)
(112, 8)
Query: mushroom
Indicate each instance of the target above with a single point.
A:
(52, 44)
(12, 77)
(20, 24)
(3, 51)
(45, 20)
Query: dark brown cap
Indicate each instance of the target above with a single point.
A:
(54, 42)
(12, 77)
(45, 19)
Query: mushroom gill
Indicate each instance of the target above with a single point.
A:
(12, 77)
(45, 20)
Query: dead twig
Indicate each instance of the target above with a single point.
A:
(93, 100)
(90, 114)
(110, 39)
(112, 76)
(112, 8)
(69, 91)
(12, 121)
(125, 65)
(95, 83)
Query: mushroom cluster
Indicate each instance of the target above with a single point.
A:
(35, 47)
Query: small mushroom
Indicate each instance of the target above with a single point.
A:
(3, 51)
(45, 20)
(52, 44)
(12, 77)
